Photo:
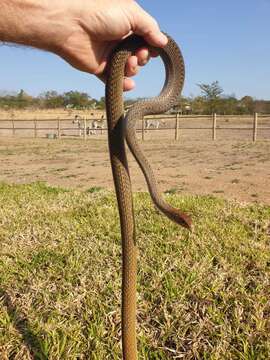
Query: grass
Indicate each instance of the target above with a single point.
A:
(94, 189)
(201, 295)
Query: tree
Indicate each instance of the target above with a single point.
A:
(211, 93)
(262, 106)
(23, 100)
(77, 99)
(16, 100)
(52, 100)
(101, 103)
(228, 105)
(247, 104)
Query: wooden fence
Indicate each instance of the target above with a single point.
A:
(173, 123)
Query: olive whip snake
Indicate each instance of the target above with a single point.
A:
(123, 129)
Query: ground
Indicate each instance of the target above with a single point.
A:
(201, 295)
(230, 168)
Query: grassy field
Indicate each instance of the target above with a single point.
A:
(201, 295)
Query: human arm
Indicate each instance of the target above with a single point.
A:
(82, 32)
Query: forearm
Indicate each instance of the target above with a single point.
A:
(28, 22)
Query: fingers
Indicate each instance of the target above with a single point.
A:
(133, 67)
(129, 84)
(145, 25)
(141, 58)
(134, 62)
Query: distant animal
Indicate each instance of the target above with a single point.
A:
(149, 123)
(92, 125)
(96, 125)
(78, 120)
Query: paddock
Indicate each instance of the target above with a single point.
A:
(229, 168)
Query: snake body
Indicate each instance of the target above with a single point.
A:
(123, 128)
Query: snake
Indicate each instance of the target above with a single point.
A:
(122, 131)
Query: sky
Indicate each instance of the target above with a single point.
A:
(227, 41)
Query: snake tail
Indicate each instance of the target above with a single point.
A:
(174, 81)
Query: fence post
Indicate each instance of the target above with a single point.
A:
(214, 129)
(255, 126)
(84, 128)
(143, 129)
(177, 126)
(13, 127)
(59, 128)
(35, 127)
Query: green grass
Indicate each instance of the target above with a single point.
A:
(201, 295)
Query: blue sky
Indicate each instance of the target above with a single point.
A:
(228, 41)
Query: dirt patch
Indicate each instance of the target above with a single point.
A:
(232, 169)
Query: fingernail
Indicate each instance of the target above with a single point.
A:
(146, 59)
(163, 39)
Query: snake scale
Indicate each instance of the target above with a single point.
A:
(121, 130)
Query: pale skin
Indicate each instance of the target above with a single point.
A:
(83, 32)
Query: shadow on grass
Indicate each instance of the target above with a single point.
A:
(22, 325)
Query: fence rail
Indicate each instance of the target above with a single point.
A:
(251, 123)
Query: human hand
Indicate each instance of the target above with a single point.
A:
(93, 28)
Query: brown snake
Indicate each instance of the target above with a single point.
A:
(121, 129)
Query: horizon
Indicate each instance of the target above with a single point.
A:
(4, 93)
(227, 42)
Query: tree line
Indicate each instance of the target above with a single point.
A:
(47, 100)
(211, 100)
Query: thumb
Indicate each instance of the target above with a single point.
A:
(146, 26)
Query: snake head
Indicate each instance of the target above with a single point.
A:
(180, 218)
